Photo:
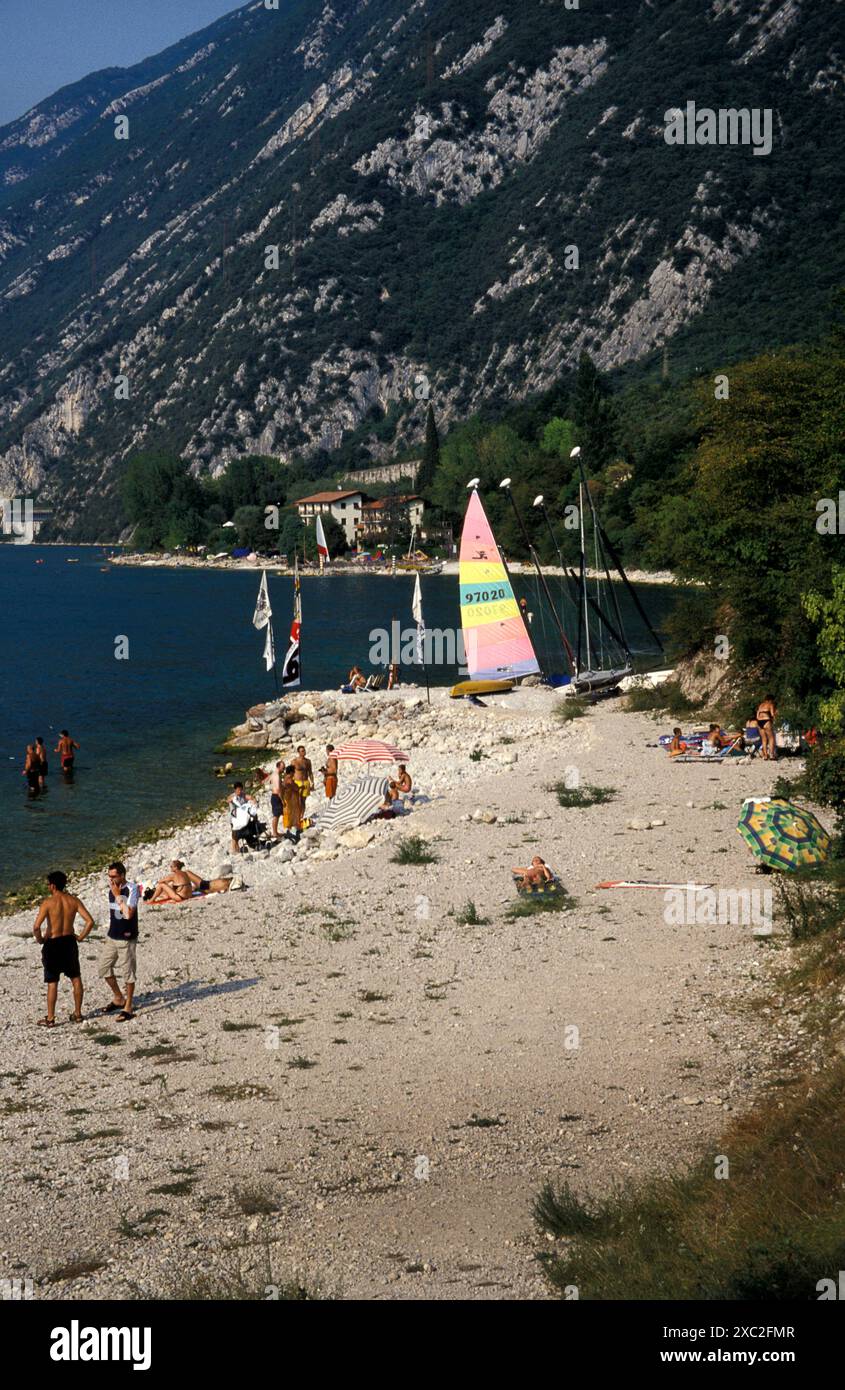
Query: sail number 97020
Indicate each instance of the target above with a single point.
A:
(486, 595)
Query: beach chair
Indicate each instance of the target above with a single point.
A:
(375, 682)
(709, 758)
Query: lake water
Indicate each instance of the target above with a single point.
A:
(148, 725)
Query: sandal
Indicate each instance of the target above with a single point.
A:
(46, 1023)
(76, 1018)
(112, 1008)
(124, 1017)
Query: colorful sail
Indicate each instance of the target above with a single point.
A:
(496, 639)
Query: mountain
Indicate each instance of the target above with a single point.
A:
(325, 214)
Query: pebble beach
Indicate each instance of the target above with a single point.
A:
(358, 1074)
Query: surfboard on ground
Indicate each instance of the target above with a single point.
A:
(480, 688)
(643, 883)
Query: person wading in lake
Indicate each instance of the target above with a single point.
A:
(60, 944)
(119, 953)
(41, 755)
(330, 773)
(32, 770)
(64, 748)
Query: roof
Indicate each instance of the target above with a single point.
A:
(382, 502)
(337, 496)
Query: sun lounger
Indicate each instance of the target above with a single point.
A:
(720, 757)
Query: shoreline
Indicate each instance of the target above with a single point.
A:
(347, 569)
(345, 996)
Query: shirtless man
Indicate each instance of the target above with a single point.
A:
(32, 769)
(403, 781)
(64, 748)
(175, 887)
(537, 871)
(330, 773)
(276, 797)
(303, 773)
(41, 755)
(766, 716)
(60, 944)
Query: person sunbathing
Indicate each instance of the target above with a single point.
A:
(221, 883)
(677, 745)
(175, 887)
(537, 871)
(356, 679)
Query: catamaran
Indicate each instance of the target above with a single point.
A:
(497, 644)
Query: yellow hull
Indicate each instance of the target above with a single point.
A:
(480, 688)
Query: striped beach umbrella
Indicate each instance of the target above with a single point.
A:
(369, 750)
(355, 804)
(782, 835)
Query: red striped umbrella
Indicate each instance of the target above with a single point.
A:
(369, 750)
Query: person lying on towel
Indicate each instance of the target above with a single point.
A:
(537, 871)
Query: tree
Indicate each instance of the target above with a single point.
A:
(431, 456)
(594, 415)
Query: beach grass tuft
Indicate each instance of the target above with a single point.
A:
(572, 707)
(469, 916)
(413, 849)
(580, 797)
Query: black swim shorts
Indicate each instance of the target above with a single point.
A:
(276, 804)
(60, 956)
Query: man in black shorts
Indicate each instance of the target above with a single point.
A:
(60, 944)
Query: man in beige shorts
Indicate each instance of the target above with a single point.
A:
(119, 951)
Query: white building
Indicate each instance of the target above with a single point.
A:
(345, 507)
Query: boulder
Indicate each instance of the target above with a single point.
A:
(255, 738)
(306, 711)
(256, 711)
(298, 732)
(505, 756)
(277, 732)
(357, 838)
(414, 702)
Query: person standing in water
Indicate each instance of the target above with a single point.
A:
(53, 930)
(41, 755)
(32, 770)
(64, 748)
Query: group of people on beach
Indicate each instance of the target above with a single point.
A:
(290, 786)
(717, 740)
(55, 932)
(36, 767)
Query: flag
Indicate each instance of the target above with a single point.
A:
(269, 649)
(322, 547)
(290, 670)
(263, 612)
(416, 609)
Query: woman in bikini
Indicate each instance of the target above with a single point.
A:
(766, 716)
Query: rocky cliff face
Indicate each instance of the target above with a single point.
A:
(301, 221)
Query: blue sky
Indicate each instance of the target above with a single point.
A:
(47, 43)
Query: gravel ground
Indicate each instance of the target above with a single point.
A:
(331, 1066)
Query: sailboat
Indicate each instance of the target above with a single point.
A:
(498, 648)
(601, 658)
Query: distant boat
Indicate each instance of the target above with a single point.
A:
(72, 562)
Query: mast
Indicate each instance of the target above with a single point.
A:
(584, 571)
(599, 534)
(505, 484)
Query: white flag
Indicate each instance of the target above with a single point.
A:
(416, 609)
(263, 612)
(269, 649)
(322, 547)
